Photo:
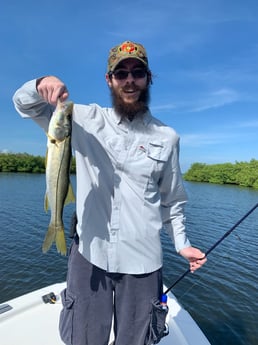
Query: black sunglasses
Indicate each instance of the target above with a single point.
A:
(121, 74)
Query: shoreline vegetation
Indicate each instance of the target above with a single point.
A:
(244, 174)
(25, 163)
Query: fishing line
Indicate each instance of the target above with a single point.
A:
(214, 245)
(205, 269)
(200, 278)
(212, 263)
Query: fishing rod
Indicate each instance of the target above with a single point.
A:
(214, 245)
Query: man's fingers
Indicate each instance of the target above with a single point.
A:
(57, 93)
(51, 89)
(64, 96)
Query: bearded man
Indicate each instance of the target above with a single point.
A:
(129, 187)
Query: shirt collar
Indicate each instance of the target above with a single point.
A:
(145, 119)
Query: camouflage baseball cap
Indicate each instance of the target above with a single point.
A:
(124, 51)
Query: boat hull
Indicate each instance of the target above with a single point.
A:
(28, 320)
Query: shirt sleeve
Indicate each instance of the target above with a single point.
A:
(173, 200)
(29, 104)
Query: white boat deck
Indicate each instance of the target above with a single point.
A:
(30, 321)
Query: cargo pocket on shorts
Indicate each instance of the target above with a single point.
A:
(66, 318)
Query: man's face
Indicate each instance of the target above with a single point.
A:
(130, 92)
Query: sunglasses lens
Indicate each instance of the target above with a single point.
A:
(120, 74)
(136, 73)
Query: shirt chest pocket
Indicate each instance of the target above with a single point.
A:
(157, 156)
(152, 160)
(158, 152)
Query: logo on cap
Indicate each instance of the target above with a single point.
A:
(124, 51)
(128, 47)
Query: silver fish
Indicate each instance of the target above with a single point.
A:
(59, 190)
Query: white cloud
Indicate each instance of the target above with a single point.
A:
(5, 151)
(203, 139)
(247, 124)
(163, 107)
(202, 101)
(216, 99)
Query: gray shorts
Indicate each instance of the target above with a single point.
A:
(93, 297)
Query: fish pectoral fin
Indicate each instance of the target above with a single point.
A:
(70, 195)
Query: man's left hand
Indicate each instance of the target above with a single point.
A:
(195, 257)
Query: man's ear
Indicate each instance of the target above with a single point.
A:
(108, 80)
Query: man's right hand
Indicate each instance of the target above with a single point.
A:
(51, 89)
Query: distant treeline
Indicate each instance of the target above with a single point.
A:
(240, 173)
(23, 162)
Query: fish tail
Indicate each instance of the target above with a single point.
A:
(60, 242)
(49, 238)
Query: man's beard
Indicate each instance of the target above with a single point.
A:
(131, 110)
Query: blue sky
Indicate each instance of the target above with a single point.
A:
(203, 53)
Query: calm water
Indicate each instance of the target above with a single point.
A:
(222, 296)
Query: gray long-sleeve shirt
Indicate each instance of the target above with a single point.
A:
(129, 184)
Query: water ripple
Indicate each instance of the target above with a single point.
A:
(222, 296)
